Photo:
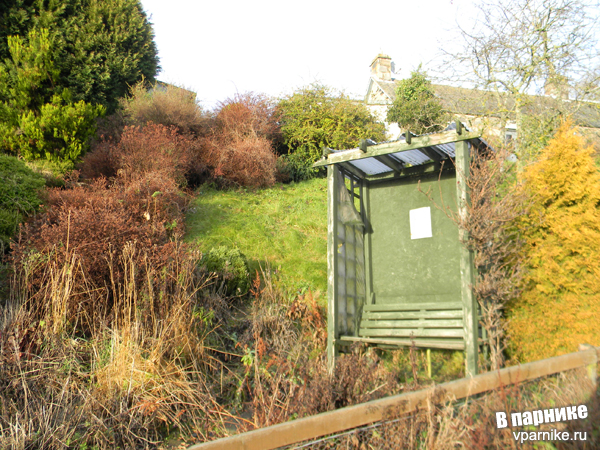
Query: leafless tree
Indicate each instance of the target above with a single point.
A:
(519, 49)
(495, 201)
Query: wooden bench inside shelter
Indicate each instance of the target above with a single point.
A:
(429, 325)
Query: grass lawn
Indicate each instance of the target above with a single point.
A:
(284, 226)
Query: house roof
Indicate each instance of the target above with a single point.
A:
(478, 102)
(162, 86)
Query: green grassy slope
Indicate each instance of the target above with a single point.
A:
(285, 226)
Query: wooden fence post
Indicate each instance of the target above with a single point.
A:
(592, 367)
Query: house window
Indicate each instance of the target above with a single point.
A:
(510, 133)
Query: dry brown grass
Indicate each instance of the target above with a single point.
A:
(286, 377)
(285, 370)
(76, 245)
(104, 339)
(150, 368)
(123, 385)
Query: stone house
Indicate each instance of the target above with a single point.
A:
(477, 109)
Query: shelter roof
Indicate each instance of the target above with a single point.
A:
(399, 157)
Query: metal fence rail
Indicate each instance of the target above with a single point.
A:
(332, 422)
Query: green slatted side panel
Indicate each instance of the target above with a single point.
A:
(350, 277)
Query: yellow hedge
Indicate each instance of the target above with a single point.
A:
(560, 304)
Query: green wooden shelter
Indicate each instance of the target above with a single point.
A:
(397, 271)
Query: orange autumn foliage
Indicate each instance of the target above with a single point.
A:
(560, 304)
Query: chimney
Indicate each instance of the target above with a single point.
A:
(557, 86)
(381, 67)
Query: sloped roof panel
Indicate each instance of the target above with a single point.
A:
(395, 156)
(412, 157)
(447, 149)
(370, 166)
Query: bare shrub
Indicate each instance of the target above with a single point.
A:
(152, 149)
(359, 377)
(245, 162)
(94, 223)
(496, 243)
(285, 369)
(101, 161)
(155, 149)
(234, 146)
(157, 130)
(109, 128)
(240, 147)
(167, 105)
(248, 115)
(105, 343)
(493, 206)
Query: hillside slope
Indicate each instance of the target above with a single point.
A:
(284, 226)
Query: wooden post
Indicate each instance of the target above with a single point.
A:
(429, 362)
(332, 269)
(466, 259)
(366, 217)
(592, 367)
(485, 344)
(363, 145)
(458, 127)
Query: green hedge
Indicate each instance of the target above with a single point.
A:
(19, 195)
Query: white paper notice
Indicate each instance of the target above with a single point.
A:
(420, 223)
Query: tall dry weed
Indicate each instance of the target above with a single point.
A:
(106, 321)
(93, 222)
(285, 370)
(137, 374)
(494, 205)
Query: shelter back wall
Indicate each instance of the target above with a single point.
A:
(414, 270)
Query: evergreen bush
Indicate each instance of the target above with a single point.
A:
(38, 121)
(293, 167)
(231, 267)
(416, 108)
(19, 195)
(317, 116)
(560, 302)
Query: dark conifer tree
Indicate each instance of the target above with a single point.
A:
(99, 47)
